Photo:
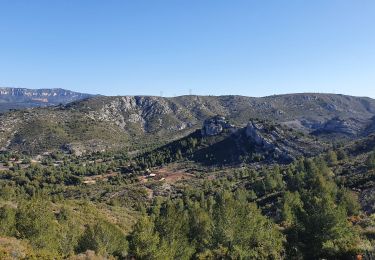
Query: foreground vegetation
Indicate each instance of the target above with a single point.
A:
(304, 210)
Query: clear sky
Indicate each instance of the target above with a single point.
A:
(213, 47)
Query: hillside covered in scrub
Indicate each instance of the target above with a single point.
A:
(215, 130)
(190, 177)
(134, 123)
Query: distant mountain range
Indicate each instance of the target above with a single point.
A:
(19, 98)
(134, 123)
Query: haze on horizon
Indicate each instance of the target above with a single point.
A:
(249, 48)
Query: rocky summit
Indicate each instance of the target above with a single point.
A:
(215, 126)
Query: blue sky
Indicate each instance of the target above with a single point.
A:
(212, 47)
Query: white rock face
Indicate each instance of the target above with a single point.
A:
(53, 93)
(215, 125)
(212, 129)
(349, 126)
(253, 131)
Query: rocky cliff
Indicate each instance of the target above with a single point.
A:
(215, 125)
(280, 143)
(18, 98)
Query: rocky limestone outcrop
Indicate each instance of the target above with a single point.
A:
(20, 98)
(48, 94)
(215, 125)
(254, 132)
(270, 138)
(347, 126)
(147, 112)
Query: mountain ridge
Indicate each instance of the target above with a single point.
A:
(21, 98)
(105, 123)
